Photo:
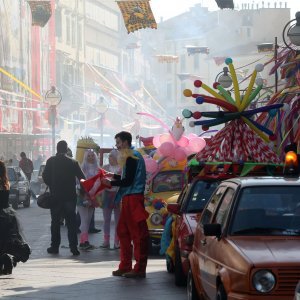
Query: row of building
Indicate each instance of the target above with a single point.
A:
(106, 76)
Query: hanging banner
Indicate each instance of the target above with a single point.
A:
(137, 15)
(40, 11)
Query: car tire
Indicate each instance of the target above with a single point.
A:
(170, 265)
(15, 203)
(26, 203)
(191, 288)
(180, 278)
(221, 293)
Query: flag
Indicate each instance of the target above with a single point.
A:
(137, 15)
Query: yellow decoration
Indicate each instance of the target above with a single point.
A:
(259, 132)
(236, 86)
(82, 145)
(249, 90)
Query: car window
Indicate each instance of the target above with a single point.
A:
(182, 196)
(224, 207)
(267, 210)
(12, 176)
(212, 205)
(201, 193)
(167, 182)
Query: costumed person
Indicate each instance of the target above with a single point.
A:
(108, 202)
(60, 175)
(13, 248)
(132, 226)
(85, 205)
(26, 165)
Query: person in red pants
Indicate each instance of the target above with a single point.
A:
(132, 226)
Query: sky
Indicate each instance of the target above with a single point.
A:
(168, 8)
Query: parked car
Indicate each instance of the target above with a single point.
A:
(246, 245)
(19, 187)
(188, 209)
(164, 188)
(40, 178)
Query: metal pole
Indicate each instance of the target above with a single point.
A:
(53, 114)
(275, 58)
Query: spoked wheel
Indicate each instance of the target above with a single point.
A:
(221, 293)
(191, 289)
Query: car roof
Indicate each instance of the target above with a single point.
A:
(263, 181)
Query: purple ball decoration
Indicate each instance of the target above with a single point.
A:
(199, 100)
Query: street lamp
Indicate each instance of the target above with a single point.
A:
(53, 98)
(224, 79)
(292, 31)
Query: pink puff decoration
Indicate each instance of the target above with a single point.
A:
(183, 142)
(179, 154)
(151, 165)
(156, 141)
(166, 137)
(196, 144)
(167, 149)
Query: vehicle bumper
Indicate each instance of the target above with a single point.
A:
(236, 296)
(157, 233)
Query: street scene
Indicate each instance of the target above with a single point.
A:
(150, 150)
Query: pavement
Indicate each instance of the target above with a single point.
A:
(87, 276)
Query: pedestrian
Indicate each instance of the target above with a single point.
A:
(13, 248)
(85, 206)
(60, 175)
(26, 165)
(132, 226)
(108, 202)
(15, 161)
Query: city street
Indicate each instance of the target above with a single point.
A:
(88, 276)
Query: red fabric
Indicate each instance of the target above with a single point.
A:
(93, 185)
(132, 227)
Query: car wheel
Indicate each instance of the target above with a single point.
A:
(180, 278)
(191, 289)
(170, 265)
(26, 203)
(15, 203)
(221, 294)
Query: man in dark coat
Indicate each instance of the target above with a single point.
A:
(60, 175)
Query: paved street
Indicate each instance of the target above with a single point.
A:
(87, 276)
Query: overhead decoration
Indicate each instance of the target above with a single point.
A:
(137, 15)
(219, 60)
(225, 4)
(167, 58)
(40, 11)
(236, 141)
(191, 50)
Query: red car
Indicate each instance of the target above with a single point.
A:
(188, 208)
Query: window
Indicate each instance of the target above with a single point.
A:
(167, 182)
(73, 29)
(68, 30)
(182, 63)
(224, 207)
(80, 44)
(211, 207)
(196, 62)
(201, 193)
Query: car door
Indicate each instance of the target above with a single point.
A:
(213, 247)
(199, 246)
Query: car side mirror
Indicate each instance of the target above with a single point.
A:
(212, 230)
(173, 208)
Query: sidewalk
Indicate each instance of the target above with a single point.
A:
(87, 276)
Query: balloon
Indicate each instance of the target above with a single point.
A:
(179, 154)
(183, 142)
(196, 144)
(192, 135)
(156, 141)
(166, 137)
(167, 149)
(151, 165)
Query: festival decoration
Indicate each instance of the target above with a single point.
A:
(237, 141)
(41, 12)
(167, 58)
(137, 15)
(172, 146)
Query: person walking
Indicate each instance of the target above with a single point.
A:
(26, 165)
(132, 225)
(108, 202)
(85, 206)
(60, 175)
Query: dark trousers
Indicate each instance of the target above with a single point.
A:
(68, 210)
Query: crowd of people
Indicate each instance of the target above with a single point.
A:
(122, 193)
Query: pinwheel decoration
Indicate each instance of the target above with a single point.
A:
(241, 143)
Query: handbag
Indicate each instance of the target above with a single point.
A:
(44, 200)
